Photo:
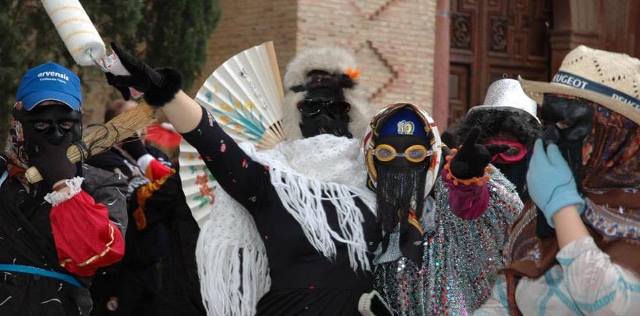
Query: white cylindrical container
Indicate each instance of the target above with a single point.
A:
(76, 30)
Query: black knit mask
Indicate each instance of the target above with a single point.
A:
(325, 117)
(516, 173)
(324, 109)
(400, 184)
(55, 124)
(400, 191)
(567, 121)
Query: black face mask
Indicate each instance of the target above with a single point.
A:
(324, 109)
(400, 183)
(54, 124)
(516, 173)
(567, 122)
(324, 116)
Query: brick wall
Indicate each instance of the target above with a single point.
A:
(393, 39)
(245, 23)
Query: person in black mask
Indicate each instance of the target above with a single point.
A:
(324, 109)
(54, 234)
(293, 231)
(445, 225)
(507, 117)
(584, 176)
(567, 122)
(322, 95)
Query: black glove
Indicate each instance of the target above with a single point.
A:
(134, 146)
(449, 139)
(158, 85)
(82, 297)
(472, 157)
(53, 164)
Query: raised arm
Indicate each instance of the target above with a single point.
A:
(597, 284)
(183, 112)
(244, 179)
(553, 189)
(569, 225)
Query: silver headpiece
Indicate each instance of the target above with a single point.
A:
(507, 94)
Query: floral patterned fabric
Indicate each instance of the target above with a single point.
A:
(610, 152)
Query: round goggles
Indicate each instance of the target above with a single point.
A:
(311, 108)
(415, 153)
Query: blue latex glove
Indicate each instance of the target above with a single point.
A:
(550, 182)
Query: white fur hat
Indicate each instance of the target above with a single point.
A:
(333, 60)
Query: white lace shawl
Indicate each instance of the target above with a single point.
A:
(232, 261)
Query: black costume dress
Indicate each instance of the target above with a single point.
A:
(303, 281)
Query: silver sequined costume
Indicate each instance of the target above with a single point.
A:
(460, 260)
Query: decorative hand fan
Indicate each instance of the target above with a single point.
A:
(197, 183)
(245, 96)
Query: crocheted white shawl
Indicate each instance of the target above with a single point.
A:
(232, 261)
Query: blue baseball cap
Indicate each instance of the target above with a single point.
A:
(403, 122)
(49, 82)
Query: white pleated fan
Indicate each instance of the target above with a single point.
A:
(245, 97)
(197, 183)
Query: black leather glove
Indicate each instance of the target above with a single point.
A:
(134, 146)
(472, 158)
(158, 85)
(53, 164)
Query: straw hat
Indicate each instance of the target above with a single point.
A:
(507, 94)
(609, 79)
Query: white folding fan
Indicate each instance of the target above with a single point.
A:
(245, 97)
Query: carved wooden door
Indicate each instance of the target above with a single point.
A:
(494, 39)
